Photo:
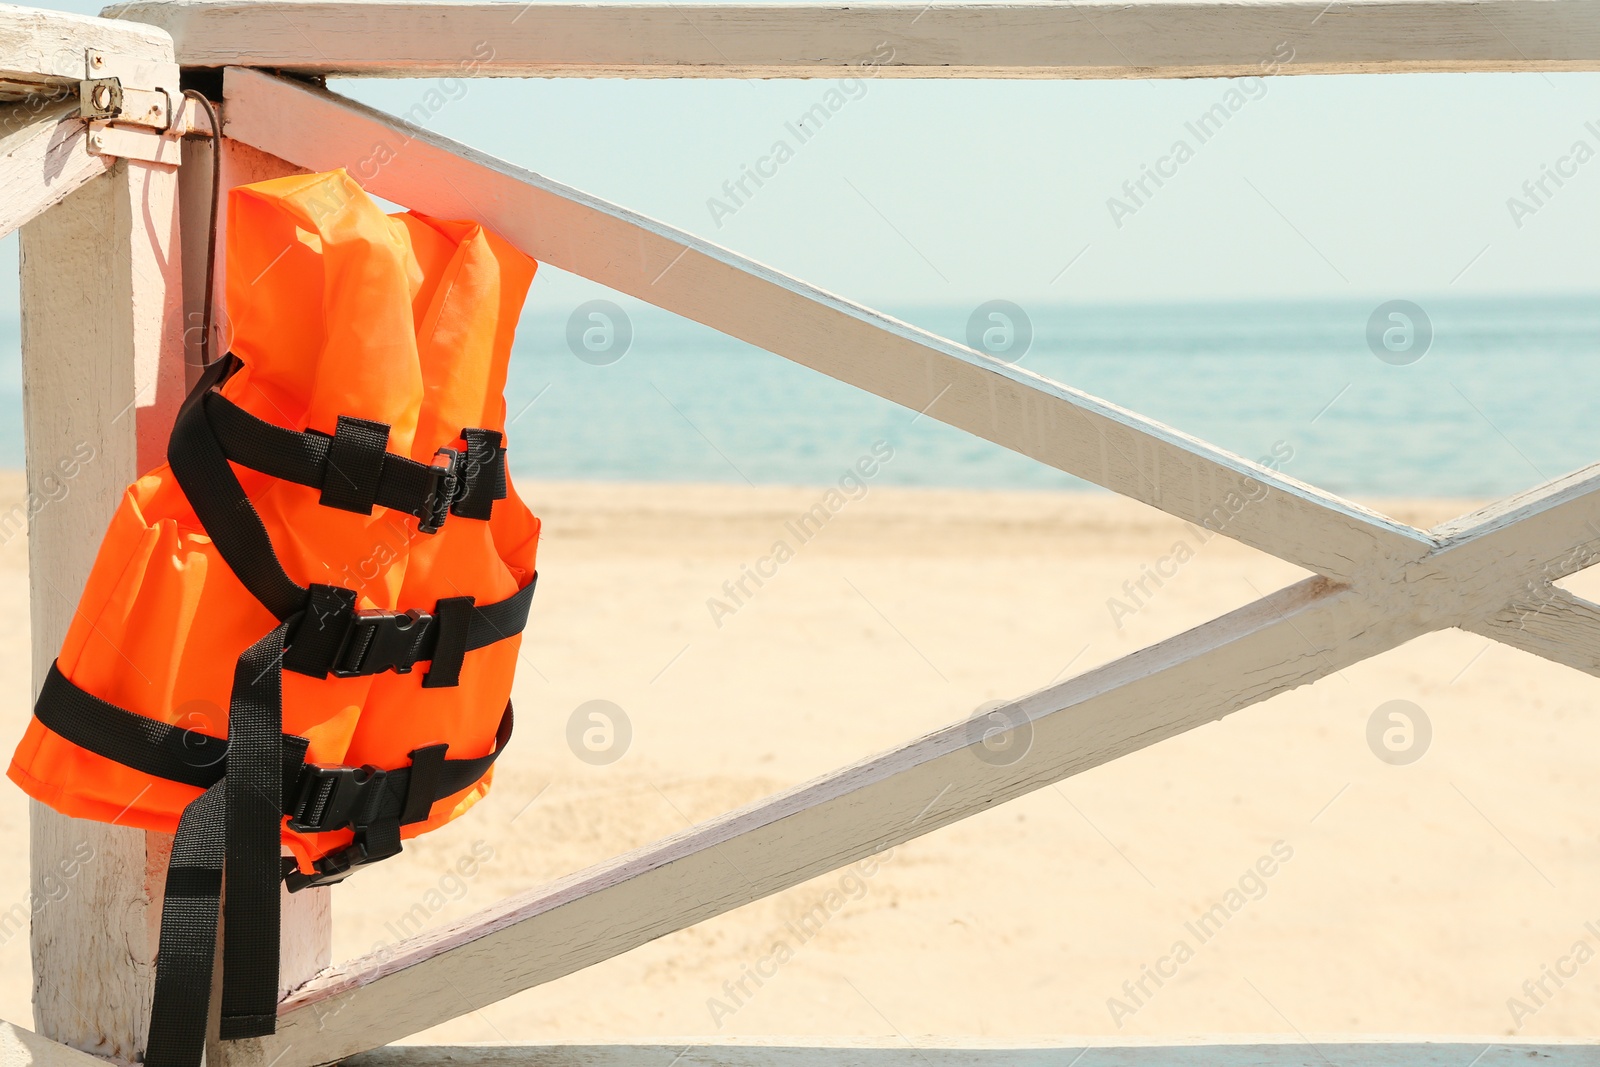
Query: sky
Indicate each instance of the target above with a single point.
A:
(935, 192)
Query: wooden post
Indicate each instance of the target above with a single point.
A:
(102, 371)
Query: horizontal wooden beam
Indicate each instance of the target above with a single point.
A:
(692, 277)
(1315, 1051)
(1287, 639)
(1026, 39)
(51, 51)
(44, 157)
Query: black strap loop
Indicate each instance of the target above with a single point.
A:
(427, 772)
(356, 459)
(454, 624)
(485, 480)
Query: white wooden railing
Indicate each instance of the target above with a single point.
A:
(109, 271)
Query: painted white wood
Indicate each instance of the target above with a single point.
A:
(1315, 1051)
(102, 377)
(576, 232)
(1287, 639)
(1552, 623)
(1029, 39)
(44, 157)
(20, 1047)
(50, 51)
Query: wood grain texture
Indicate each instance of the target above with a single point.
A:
(1237, 1052)
(1030, 39)
(1551, 623)
(692, 277)
(20, 1047)
(102, 375)
(44, 157)
(46, 51)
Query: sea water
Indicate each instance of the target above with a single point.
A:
(1503, 397)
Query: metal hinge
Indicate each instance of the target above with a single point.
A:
(135, 123)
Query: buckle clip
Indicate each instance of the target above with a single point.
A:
(445, 478)
(331, 798)
(378, 641)
(336, 866)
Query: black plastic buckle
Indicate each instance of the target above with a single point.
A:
(378, 641)
(332, 798)
(336, 866)
(445, 481)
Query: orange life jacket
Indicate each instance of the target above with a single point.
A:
(335, 511)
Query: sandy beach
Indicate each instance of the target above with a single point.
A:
(1359, 895)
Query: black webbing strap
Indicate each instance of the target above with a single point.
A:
(229, 836)
(166, 751)
(336, 638)
(220, 503)
(147, 745)
(253, 789)
(188, 935)
(355, 471)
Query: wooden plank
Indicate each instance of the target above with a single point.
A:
(1552, 623)
(44, 157)
(102, 377)
(48, 52)
(1316, 1051)
(1563, 539)
(1030, 39)
(20, 1047)
(576, 232)
(1285, 640)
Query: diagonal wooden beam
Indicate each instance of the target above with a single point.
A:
(1552, 623)
(1285, 640)
(1017, 39)
(1544, 533)
(692, 277)
(44, 157)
